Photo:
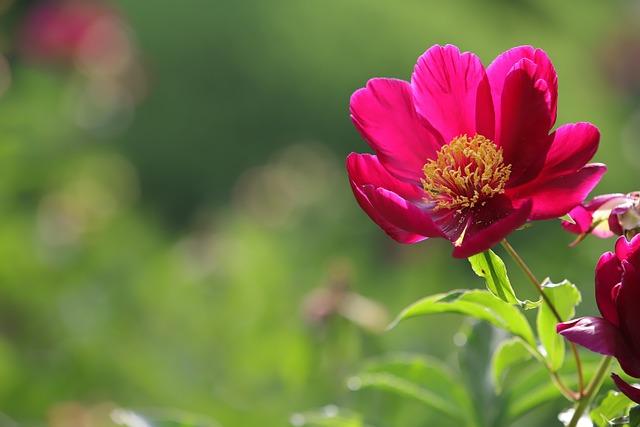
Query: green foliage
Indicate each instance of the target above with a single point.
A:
(420, 378)
(474, 358)
(509, 353)
(613, 405)
(478, 304)
(565, 297)
(491, 267)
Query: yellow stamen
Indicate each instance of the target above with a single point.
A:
(465, 173)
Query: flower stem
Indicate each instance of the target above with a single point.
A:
(566, 391)
(532, 278)
(591, 391)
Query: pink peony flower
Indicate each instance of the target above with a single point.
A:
(465, 153)
(73, 30)
(617, 332)
(606, 216)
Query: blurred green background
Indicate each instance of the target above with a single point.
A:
(175, 219)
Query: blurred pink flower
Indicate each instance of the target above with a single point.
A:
(606, 216)
(73, 31)
(617, 332)
(465, 153)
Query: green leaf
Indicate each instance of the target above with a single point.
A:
(421, 378)
(564, 296)
(634, 417)
(479, 304)
(490, 266)
(614, 405)
(329, 416)
(531, 386)
(509, 353)
(474, 359)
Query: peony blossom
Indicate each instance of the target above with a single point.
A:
(465, 153)
(606, 216)
(617, 332)
(85, 32)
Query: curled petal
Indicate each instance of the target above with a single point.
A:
(384, 114)
(402, 213)
(594, 333)
(365, 170)
(600, 336)
(525, 121)
(627, 389)
(497, 72)
(572, 146)
(452, 92)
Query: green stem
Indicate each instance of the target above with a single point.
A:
(591, 391)
(532, 278)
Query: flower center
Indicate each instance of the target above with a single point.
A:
(465, 173)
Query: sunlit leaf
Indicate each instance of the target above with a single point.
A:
(490, 266)
(420, 378)
(564, 296)
(614, 405)
(479, 304)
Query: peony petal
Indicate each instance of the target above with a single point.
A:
(582, 219)
(627, 389)
(556, 196)
(627, 305)
(598, 216)
(476, 241)
(497, 72)
(525, 121)
(611, 199)
(452, 92)
(365, 169)
(594, 333)
(628, 249)
(384, 114)
(572, 146)
(608, 275)
(601, 336)
(614, 225)
(402, 213)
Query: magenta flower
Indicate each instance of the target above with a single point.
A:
(61, 31)
(606, 216)
(465, 153)
(617, 332)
